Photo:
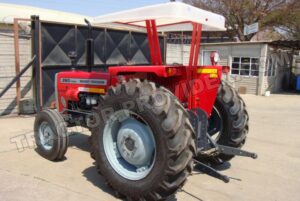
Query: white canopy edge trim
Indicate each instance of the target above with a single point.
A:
(167, 16)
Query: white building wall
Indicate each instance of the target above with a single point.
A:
(282, 61)
(178, 53)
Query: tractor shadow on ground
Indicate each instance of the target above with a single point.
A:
(79, 140)
(59, 161)
(198, 169)
(96, 179)
(221, 167)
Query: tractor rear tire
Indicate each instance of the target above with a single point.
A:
(173, 139)
(50, 133)
(230, 118)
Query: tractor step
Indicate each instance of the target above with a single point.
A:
(198, 119)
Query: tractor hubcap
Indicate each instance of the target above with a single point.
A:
(46, 136)
(129, 145)
(134, 142)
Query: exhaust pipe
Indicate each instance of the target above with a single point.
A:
(89, 47)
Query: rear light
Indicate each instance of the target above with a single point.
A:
(214, 58)
(225, 69)
(171, 71)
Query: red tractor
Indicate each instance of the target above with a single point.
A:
(150, 123)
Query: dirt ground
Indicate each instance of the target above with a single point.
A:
(274, 136)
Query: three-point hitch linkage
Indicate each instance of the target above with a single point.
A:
(207, 147)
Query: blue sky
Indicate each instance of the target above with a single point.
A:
(86, 7)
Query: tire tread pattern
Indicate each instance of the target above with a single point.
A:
(178, 133)
(234, 111)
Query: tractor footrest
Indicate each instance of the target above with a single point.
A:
(199, 121)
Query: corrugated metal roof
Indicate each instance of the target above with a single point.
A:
(290, 44)
(293, 44)
(237, 43)
(10, 11)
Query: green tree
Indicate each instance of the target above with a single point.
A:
(239, 13)
(286, 20)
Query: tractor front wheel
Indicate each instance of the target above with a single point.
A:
(142, 141)
(50, 133)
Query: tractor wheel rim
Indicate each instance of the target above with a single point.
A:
(216, 133)
(129, 145)
(46, 136)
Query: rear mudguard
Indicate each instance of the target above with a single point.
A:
(195, 87)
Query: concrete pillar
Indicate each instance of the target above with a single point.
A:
(262, 68)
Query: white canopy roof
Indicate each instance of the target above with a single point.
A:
(172, 16)
(10, 11)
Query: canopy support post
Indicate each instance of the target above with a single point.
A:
(195, 44)
(193, 61)
(153, 40)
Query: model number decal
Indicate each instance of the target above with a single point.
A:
(98, 82)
